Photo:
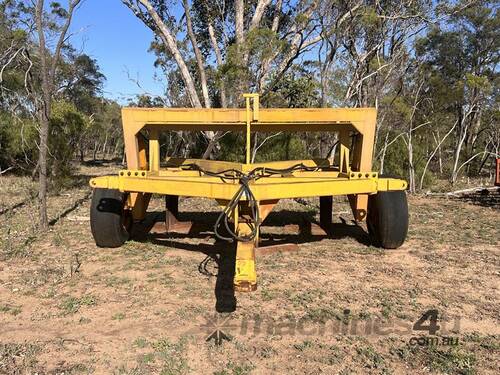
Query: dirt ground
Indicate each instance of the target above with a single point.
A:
(331, 304)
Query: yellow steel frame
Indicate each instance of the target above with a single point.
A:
(352, 177)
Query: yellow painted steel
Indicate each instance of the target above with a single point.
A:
(352, 176)
(251, 115)
(154, 150)
(263, 189)
(346, 121)
(245, 275)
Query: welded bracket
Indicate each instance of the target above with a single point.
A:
(344, 166)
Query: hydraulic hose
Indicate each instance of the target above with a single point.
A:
(244, 190)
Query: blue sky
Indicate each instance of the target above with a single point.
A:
(109, 32)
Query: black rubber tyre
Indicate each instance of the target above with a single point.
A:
(109, 222)
(387, 219)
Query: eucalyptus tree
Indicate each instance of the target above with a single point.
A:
(58, 22)
(461, 60)
(36, 51)
(223, 47)
(214, 50)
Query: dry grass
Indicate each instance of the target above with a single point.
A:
(69, 307)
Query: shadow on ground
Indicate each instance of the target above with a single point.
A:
(224, 253)
(485, 198)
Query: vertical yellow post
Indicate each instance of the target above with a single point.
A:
(245, 276)
(248, 120)
(135, 150)
(252, 114)
(154, 151)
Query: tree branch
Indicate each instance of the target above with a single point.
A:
(161, 29)
(198, 55)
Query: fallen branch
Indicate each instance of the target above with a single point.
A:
(5, 170)
(70, 209)
(78, 218)
(17, 205)
(465, 191)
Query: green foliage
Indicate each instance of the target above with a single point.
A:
(369, 17)
(71, 305)
(232, 147)
(284, 147)
(481, 83)
(17, 141)
(172, 356)
(66, 125)
(396, 162)
(147, 101)
(262, 43)
(58, 10)
(298, 88)
(458, 64)
(82, 80)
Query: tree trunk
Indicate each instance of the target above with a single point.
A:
(434, 153)
(440, 156)
(458, 151)
(170, 42)
(44, 118)
(239, 8)
(198, 55)
(411, 166)
(82, 152)
(47, 71)
(94, 154)
(384, 151)
(42, 172)
(104, 145)
(220, 62)
(211, 145)
(258, 13)
(267, 61)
